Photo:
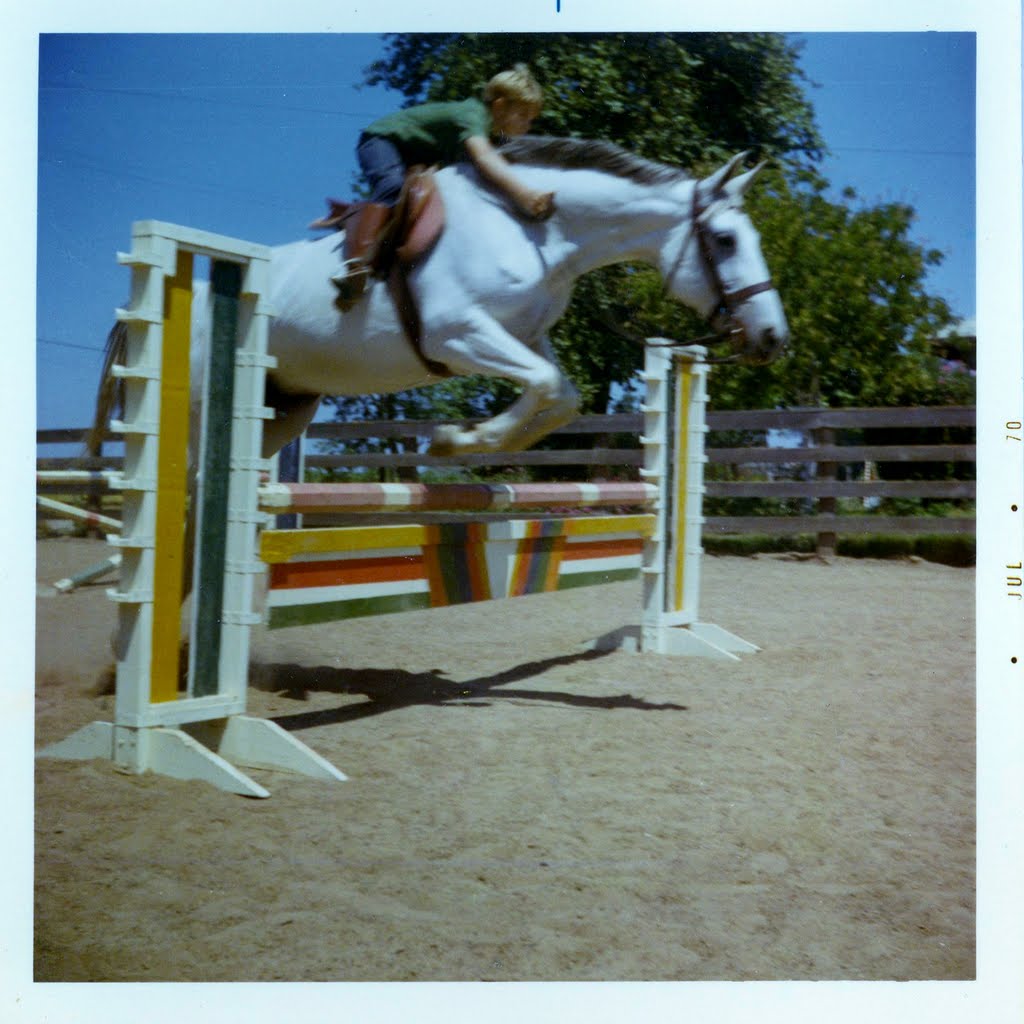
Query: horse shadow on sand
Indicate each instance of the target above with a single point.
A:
(388, 690)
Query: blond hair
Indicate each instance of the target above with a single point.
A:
(517, 85)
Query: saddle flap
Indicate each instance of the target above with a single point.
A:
(410, 232)
(421, 216)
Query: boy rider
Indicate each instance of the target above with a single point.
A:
(439, 134)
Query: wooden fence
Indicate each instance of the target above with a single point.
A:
(837, 460)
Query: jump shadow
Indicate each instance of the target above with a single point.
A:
(388, 690)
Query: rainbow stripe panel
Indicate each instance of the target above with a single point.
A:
(345, 572)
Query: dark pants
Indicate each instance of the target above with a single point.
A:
(383, 166)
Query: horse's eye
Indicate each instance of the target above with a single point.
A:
(726, 241)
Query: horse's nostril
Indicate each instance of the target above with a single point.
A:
(771, 344)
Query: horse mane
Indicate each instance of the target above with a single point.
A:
(583, 154)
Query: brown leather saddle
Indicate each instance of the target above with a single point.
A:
(410, 233)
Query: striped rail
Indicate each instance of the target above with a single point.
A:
(373, 497)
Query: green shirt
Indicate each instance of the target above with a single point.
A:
(434, 133)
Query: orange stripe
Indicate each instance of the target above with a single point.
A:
(610, 548)
(346, 572)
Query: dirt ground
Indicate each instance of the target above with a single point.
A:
(520, 809)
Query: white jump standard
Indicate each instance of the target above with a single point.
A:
(204, 732)
(674, 459)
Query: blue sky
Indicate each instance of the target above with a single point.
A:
(245, 134)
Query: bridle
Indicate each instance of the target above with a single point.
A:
(724, 324)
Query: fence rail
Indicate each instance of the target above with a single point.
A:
(830, 467)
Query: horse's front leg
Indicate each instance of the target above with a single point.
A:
(548, 399)
(564, 409)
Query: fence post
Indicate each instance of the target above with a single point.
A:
(825, 546)
(290, 469)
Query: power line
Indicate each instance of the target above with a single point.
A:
(900, 152)
(68, 344)
(177, 94)
(97, 167)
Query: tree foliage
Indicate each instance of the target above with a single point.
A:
(853, 285)
(851, 278)
(690, 100)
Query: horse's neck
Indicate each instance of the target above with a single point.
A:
(606, 219)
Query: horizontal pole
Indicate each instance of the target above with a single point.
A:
(314, 498)
(69, 583)
(846, 453)
(841, 489)
(90, 463)
(533, 457)
(63, 435)
(895, 417)
(202, 243)
(788, 525)
(613, 423)
(74, 512)
(77, 476)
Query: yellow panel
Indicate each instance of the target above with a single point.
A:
(585, 525)
(282, 545)
(172, 484)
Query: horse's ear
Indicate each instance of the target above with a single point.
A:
(738, 186)
(714, 182)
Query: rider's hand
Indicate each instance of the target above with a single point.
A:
(538, 205)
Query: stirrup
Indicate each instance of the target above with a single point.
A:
(351, 283)
(350, 268)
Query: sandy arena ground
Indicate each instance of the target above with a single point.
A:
(519, 809)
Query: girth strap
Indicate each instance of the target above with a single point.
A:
(409, 315)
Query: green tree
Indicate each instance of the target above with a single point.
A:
(686, 99)
(853, 285)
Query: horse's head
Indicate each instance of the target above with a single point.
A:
(717, 268)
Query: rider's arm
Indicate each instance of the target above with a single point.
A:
(497, 170)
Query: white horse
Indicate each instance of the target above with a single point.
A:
(493, 286)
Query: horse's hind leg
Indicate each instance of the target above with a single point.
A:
(293, 413)
(548, 401)
(521, 425)
(564, 409)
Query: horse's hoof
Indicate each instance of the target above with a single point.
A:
(445, 440)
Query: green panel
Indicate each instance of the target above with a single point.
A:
(282, 616)
(569, 581)
(225, 285)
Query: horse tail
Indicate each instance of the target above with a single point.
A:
(110, 393)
